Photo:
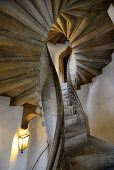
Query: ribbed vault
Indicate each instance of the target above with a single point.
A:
(26, 25)
(89, 29)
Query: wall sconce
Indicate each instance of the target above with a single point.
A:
(23, 142)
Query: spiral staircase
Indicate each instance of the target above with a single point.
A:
(83, 151)
(27, 25)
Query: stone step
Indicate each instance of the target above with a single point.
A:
(64, 91)
(70, 119)
(75, 135)
(66, 102)
(68, 110)
(65, 96)
(64, 88)
(63, 84)
(99, 161)
(75, 142)
(74, 130)
(91, 156)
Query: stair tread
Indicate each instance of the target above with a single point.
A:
(68, 111)
(65, 96)
(70, 116)
(63, 84)
(89, 149)
(64, 89)
(68, 107)
(75, 128)
(64, 92)
(66, 100)
(81, 149)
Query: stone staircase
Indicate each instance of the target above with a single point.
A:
(75, 132)
(82, 151)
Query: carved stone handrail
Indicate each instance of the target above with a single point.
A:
(60, 120)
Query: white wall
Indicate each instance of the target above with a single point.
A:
(97, 100)
(18, 160)
(10, 122)
(38, 142)
(55, 51)
(111, 12)
(10, 126)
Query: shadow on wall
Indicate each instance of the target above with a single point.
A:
(10, 123)
(17, 157)
(14, 150)
(37, 144)
(97, 99)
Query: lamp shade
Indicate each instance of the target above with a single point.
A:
(23, 142)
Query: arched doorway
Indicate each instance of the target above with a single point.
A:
(63, 60)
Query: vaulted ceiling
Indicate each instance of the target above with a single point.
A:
(87, 26)
(27, 24)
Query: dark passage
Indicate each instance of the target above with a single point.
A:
(65, 61)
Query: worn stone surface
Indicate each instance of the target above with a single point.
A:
(28, 75)
(95, 154)
(83, 151)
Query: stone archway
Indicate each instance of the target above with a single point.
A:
(63, 59)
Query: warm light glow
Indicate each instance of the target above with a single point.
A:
(23, 142)
(23, 132)
(14, 150)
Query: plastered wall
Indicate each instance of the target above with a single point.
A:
(11, 157)
(38, 143)
(55, 51)
(97, 100)
(10, 122)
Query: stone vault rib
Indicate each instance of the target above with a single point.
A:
(27, 26)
